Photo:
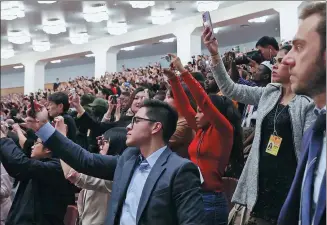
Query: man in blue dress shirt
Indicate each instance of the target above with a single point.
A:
(151, 184)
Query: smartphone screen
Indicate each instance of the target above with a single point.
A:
(207, 22)
(165, 62)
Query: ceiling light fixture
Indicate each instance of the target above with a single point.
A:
(203, 6)
(18, 37)
(79, 38)
(168, 40)
(141, 4)
(90, 55)
(11, 10)
(161, 17)
(54, 26)
(131, 48)
(18, 67)
(117, 28)
(41, 46)
(7, 53)
(96, 13)
(56, 61)
(261, 19)
(46, 2)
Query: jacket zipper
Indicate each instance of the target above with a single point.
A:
(268, 111)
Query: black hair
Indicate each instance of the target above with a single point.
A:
(163, 113)
(60, 98)
(286, 48)
(107, 92)
(137, 90)
(126, 93)
(228, 109)
(265, 41)
(117, 136)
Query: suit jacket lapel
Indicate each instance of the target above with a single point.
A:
(127, 173)
(321, 204)
(152, 179)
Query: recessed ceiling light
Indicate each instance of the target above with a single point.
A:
(261, 19)
(46, 2)
(90, 55)
(18, 67)
(56, 61)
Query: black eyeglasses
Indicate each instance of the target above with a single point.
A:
(136, 119)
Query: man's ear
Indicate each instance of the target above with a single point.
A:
(46, 150)
(156, 128)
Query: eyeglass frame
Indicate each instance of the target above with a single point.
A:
(140, 118)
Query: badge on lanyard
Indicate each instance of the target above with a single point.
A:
(274, 144)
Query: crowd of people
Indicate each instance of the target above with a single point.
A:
(157, 145)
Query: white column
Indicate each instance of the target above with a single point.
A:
(112, 60)
(34, 76)
(188, 44)
(288, 16)
(100, 66)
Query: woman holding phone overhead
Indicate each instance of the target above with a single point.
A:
(282, 118)
(218, 138)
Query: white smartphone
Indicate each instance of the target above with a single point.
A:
(72, 92)
(207, 22)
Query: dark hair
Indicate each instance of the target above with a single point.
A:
(228, 109)
(117, 136)
(60, 98)
(265, 41)
(163, 113)
(160, 95)
(107, 92)
(126, 93)
(320, 9)
(137, 90)
(286, 48)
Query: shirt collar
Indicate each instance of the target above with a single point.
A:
(318, 111)
(152, 159)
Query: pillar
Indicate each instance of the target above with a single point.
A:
(188, 44)
(288, 16)
(105, 61)
(112, 59)
(34, 76)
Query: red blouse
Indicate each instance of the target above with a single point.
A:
(210, 148)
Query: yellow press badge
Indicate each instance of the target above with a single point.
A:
(274, 145)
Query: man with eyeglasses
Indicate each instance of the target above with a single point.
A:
(43, 193)
(151, 184)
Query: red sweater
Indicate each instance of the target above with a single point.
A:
(215, 143)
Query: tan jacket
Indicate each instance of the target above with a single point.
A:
(5, 192)
(182, 138)
(93, 199)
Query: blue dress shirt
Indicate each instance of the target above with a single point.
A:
(135, 188)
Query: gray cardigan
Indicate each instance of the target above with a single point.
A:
(301, 113)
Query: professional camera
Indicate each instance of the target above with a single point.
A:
(254, 55)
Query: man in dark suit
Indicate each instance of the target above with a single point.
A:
(152, 185)
(306, 201)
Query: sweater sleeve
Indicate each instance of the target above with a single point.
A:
(238, 92)
(182, 103)
(215, 118)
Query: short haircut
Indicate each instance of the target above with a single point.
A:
(265, 41)
(126, 93)
(107, 92)
(163, 113)
(60, 98)
(318, 8)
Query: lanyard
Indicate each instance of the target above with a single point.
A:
(276, 117)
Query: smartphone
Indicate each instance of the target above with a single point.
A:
(165, 61)
(207, 22)
(72, 92)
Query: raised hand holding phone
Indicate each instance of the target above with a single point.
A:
(207, 23)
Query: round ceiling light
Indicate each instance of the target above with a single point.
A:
(204, 6)
(11, 10)
(41, 46)
(96, 13)
(161, 17)
(141, 4)
(117, 28)
(79, 38)
(18, 37)
(54, 26)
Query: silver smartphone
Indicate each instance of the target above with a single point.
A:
(207, 22)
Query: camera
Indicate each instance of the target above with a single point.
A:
(254, 55)
(114, 99)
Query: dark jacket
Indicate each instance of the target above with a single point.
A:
(291, 209)
(171, 193)
(43, 193)
(97, 128)
(72, 130)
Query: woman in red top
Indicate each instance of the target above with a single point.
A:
(218, 138)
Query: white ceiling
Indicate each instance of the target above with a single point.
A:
(71, 11)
